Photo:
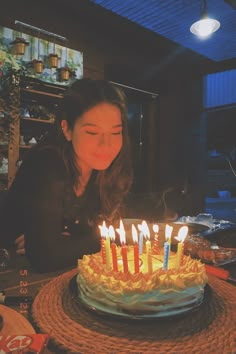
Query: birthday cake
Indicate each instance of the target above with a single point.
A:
(158, 293)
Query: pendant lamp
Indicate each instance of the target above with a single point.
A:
(205, 26)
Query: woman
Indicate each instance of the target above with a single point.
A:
(72, 180)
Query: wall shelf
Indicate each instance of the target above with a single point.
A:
(4, 147)
(26, 147)
(42, 93)
(3, 176)
(37, 120)
(40, 102)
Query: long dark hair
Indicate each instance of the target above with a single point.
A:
(113, 183)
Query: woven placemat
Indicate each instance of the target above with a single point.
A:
(209, 329)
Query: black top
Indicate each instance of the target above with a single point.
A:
(42, 205)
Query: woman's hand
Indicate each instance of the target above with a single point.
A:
(20, 244)
(170, 215)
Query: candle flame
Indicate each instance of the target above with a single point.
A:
(168, 231)
(155, 228)
(144, 229)
(140, 227)
(121, 232)
(134, 233)
(103, 229)
(182, 233)
(111, 233)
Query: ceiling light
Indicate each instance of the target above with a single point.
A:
(205, 26)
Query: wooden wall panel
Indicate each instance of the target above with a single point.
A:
(132, 56)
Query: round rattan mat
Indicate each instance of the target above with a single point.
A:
(210, 329)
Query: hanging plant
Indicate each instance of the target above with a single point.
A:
(19, 45)
(38, 63)
(64, 73)
(37, 66)
(53, 60)
(68, 71)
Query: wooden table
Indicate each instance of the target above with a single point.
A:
(20, 279)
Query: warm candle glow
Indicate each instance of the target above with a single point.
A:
(140, 239)
(103, 229)
(155, 228)
(121, 232)
(106, 240)
(146, 234)
(111, 233)
(166, 255)
(155, 249)
(112, 236)
(149, 256)
(134, 233)
(140, 227)
(182, 233)
(136, 249)
(103, 251)
(168, 233)
(145, 229)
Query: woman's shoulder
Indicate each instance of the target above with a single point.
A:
(43, 163)
(45, 155)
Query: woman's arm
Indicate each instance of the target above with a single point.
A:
(46, 247)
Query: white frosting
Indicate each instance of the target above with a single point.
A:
(162, 293)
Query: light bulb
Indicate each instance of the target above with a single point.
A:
(203, 28)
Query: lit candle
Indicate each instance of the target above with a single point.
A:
(183, 231)
(140, 239)
(146, 233)
(166, 255)
(149, 260)
(168, 231)
(136, 249)
(111, 232)
(121, 232)
(155, 249)
(108, 251)
(103, 231)
(106, 240)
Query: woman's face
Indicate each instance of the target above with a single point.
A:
(96, 137)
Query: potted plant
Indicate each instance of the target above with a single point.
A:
(64, 73)
(53, 60)
(18, 46)
(38, 66)
(68, 71)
